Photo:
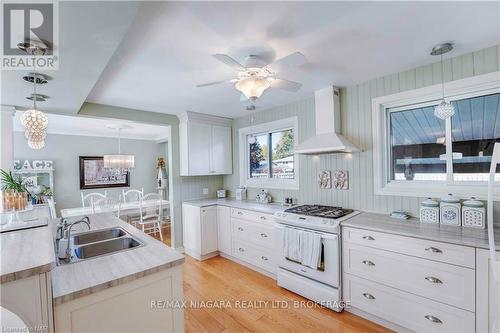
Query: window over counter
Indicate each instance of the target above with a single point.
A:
(418, 154)
(267, 157)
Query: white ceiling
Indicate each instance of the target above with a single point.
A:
(168, 49)
(86, 126)
(89, 33)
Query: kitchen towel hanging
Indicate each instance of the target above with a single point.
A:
(310, 248)
(291, 244)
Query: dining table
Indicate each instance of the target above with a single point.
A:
(131, 206)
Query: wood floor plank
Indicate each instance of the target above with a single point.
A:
(219, 279)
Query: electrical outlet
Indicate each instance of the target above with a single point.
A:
(205, 191)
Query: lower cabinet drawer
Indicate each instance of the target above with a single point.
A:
(257, 233)
(410, 311)
(450, 284)
(259, 256)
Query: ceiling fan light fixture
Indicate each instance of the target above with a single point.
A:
(252, 87)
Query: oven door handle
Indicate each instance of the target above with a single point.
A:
(324, 235)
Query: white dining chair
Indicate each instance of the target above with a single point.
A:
(107, 205)
(150, 213)
(52, 208)
(89, 198)
(132, 195)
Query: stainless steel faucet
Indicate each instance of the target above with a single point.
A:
(65, 229)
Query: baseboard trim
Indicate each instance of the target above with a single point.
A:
(179, 249)
(248, 265)
(378, 320)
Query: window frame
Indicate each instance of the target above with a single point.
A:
(265, 128)
(381, 108)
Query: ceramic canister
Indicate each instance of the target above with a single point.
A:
(450, 210)
(429, 211)
(473, 213)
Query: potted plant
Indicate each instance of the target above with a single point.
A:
(14, 192)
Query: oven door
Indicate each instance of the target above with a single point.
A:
(329, 270)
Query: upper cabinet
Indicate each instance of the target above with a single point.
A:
(205, 145)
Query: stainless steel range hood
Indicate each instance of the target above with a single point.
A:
(328, 138)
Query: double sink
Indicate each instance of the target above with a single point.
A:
(97, 243)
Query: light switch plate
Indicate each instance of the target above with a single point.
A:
(205, 191)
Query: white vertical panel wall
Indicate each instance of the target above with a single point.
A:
(356, 125)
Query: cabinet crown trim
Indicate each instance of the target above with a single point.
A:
(204, 118)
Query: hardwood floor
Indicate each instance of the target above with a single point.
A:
(228, 284)
(223, 296)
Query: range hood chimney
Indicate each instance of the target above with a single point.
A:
(328, 138)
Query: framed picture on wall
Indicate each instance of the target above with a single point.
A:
(93, 174)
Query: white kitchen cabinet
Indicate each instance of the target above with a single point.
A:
(31, 300)
(199, 226)
(140, 305)
(224, 229)
(487, 291)
(205, 145)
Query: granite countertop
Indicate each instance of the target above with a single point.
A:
(413, 228)
(85, 277)
(25, 253)
(270, 208)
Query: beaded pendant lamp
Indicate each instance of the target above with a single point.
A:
(445, 109)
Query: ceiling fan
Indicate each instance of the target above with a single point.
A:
(253, 78)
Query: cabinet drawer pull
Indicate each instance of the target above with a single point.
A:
(262, 217)
(368, 238)
(368, 263)
(240, 228)
(433, 279)
(241, 249)
(369, 296)
(265, 258)
(433, 319)
(433, 250)
(240, 213)
(263, 235)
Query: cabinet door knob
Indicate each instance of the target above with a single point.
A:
(240, 228)
(433, 319)
(368, 263)
(368, 238)
(369, 296)
(433, 279)
(433, 250)
(240, 213)
(263, 235)
(264, 258)
(241, 249)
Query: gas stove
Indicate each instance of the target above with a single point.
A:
(315, 217)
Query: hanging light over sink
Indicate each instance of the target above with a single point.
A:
(445, 109)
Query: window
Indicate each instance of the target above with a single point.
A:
(412, 155)
(475, 128)
(267, 156)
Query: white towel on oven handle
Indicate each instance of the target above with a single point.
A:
(310, 248)
(291, 244)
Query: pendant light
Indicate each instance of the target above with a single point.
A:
(33, 120)
(118, 162)
(445, 109)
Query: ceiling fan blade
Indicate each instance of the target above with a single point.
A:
(286, 85)
(211, 83)
(292, 60)
(228, 60)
